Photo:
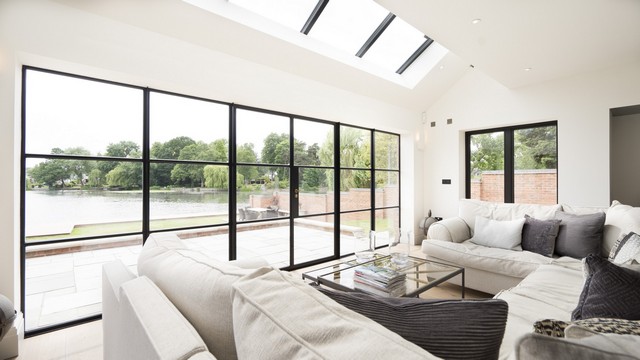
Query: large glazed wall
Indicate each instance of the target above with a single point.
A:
(50, 35)
(580, 105)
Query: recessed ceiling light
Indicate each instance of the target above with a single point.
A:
(441, 67)
(476, 21)
(527, 69)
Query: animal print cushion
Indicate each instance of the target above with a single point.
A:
(555, 328)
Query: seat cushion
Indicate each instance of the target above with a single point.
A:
(200, 287)
(496, 260)
(278, 316)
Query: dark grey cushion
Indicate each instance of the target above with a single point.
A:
(579, 235)
(598, 347)
(539, 236)
(609, 291)
(451, 329)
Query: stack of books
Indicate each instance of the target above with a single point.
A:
(379, 280)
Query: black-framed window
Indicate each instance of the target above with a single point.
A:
(517, 164)
(106, 164)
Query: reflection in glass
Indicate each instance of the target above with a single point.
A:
(68, 115)
(313, 238)
(487, 166)
(536, 165)
(77, 198)
(271, 146)
(387, 151)
(352, 224)
(188, 129)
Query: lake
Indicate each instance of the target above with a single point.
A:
(54, 211)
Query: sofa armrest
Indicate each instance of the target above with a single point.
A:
(453, 229)
(252, 263)
(152, 327)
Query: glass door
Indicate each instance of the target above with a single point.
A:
(313, 189)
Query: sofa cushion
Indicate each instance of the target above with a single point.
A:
(279, 316)
(451, 329)
(626, 250)
(197, 285)
(579, 235)
(596, 347)
(468, 209)
(504, 234)
(495, 260)
(620, 219)
(551, 291)
(539, 236)
(610, 291)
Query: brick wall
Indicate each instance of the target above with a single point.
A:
(531, 186)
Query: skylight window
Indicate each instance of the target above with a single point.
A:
(290, 13)
(396, 44)
(360, 33)
(347, 25)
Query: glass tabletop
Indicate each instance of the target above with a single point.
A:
(419, 275)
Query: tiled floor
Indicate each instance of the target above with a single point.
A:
(66, 287)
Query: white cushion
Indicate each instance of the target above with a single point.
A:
(495, 260)
(468, 209)
(620, 219)
(550, 292)
(200, 287)
(506, 234)
(277, 316)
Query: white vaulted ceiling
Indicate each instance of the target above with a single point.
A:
(555, 39)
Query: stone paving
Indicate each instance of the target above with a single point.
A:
(65, 287)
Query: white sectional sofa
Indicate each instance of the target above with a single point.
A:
(186, 305)
(535, 286)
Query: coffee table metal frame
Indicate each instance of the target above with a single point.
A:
(416, 271)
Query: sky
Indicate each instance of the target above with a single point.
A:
(66, 112)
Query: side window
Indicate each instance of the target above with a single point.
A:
(514, 164)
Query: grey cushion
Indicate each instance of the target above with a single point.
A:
(451, 329)
(579, 235)
(610, 291)
(539, 236)
(597, 347)
(7, 315)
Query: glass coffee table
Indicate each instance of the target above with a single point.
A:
(421, 275)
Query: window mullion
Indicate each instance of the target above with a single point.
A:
(509, 160)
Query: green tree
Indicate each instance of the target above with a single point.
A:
(123, 149)
(170, 150)
(95, 178)
(355, 152)
(126, 175)
(52, 173)
(216, 176)
(487, 152)
(536, 148)
(79, 168)
(276, 149)
(246, 154)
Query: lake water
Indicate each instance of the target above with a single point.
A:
(50, 211)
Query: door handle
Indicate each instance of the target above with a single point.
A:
(295, 193)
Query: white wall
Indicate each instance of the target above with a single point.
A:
(625, 174)
(50, 35)
(580, 105)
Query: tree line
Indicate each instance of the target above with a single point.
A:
(253, 169)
